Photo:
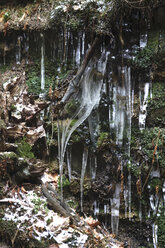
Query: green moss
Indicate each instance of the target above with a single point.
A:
(24, 149)
(161, 230)
(156, 106)
(7, 229)
(148, 139)
(13, 107)
(102, 139)
(154, 183)
(8, 155)
(65, 182)
(39, 204)
(73, 203)
(6, 16)
(143, 58)
(71, 107)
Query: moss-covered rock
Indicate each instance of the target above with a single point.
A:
(161, 230)
(156, 106)
(8, 163)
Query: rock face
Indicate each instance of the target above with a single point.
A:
(20, 117)
(104, 184)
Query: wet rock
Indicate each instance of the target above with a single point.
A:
(29, 172)
(156, 107)
(108, 174)
(3, 245)
(9, 162)
(75, 186)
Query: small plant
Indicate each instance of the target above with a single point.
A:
(65, 182)
(161, 229)
(2, 124)
(39, 204)
(6, 16)
(102, 139)
(144, 58)
(24, 149)
(13, 107)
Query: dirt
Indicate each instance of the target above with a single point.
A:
(21, 17)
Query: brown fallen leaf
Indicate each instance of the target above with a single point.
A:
(5, 28)
(25, 26)
(23, 189)
(91, 222)
(54, 246)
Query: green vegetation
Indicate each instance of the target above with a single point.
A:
(102, 139)
(7, 229)
(156, 106)
(24, 149)
(2, 124)
(33, 76)
(150, 139)
(8, 155)
(52, 76)
(161, 229)
(65, 182)
(13, 107)
(39, 204)
(6, 16)
(73, 203)
(144, 58)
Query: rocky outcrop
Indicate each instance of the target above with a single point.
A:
(20, 116)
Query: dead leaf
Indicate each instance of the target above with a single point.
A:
(138, 187)
(113, 235)
(54, 246)
(56, 93)
(30, 234)
(23, 189)
(50, 92)
(23, 17)
(157, 189)
(25, 25)
(91, 222)
(5, 28)
(2, 14)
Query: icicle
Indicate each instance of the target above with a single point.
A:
(129, 118)
(154, 204)
(18, 50)
(83, 169)
(140, 210)
(69, 159)
(129, 195)
(93, 166)
(96, 208)
(115, 205)
(78, 52)
(90, 97)
(155, 234)
(163, 190)
(143, 105)
(143, 40)
(42, 62)
(4, 56)
(126, 201)
(83, 44)
(93, 121)
(27, 48)
(121, 111)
